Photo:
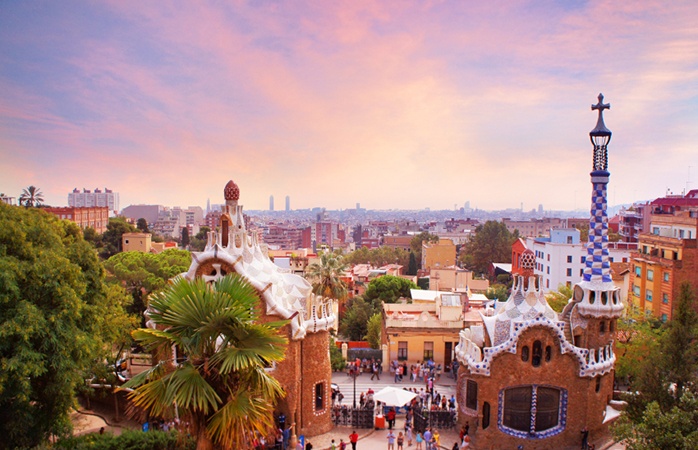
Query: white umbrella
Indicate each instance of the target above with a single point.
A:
(392, 396)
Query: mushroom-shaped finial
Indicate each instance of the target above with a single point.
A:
(231, 191)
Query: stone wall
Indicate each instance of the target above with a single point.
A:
(584, 406)
(315, 370)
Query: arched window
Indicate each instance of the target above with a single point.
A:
(598, 384)
(548, 353)
(319, 396)
(524, 353)
(602, 327)
(485, 415)
(537, 354)
(611, 326)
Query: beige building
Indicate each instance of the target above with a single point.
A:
(426, 329)
(533, 227)
(136, 242)
(440, 254)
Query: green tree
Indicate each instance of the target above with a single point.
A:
(638, 335)
(497, 291)
(31, 196)
(378, 257)
(325, 276)
(56, 320)
(185, 237)
(91, 237)
(336, 359)
(671, 365)
(412, 267)
(373, 333)
(354, 324)
(144, 273)
(221, 391)
(559, 299)
(111, 238)
(676, 429)
(388, 289)
(491, 243)
(142, 225)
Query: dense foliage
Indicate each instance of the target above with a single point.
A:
(144, 273)
(57, 321)
(491, 243)
(222, 392)
(559, 299)
(662, 411)
(378, 257)
(373, 333)
(388, 289)
(110, 243)
(354, 324)
(128, 440)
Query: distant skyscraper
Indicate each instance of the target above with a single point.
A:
(208, 205)
(288, 203)
(467, 205)
(540, 209)
(271, 203)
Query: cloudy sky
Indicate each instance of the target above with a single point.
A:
(394, 104)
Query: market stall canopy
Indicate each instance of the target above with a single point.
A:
(392, 396)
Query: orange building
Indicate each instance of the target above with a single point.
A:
(665, 259)
(95, 217)
(439, 254)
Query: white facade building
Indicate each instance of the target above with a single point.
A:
(561, 258)
(89, 199)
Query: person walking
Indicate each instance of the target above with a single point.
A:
(427, 438)
(391, 440)
(408, 433)
(391, 418)
(375, 372)
(400, 440)
(585, 438)
(353, 439)
(342, 445)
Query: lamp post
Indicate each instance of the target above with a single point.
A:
(354, 377)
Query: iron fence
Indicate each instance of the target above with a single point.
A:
(350, 417)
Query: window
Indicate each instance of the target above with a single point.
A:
(655, 230)
(581, 259)
(471, 395)
(581, 272)
(537, 354)
(666, 276)
(548, 270)
(569, 240)
(650, 275)
(569, 272)
(428, 351)
(524, 353)
(611, 325)
(636, 290)
(598, 384)
(665, 298)
(602, 327)
(485, 415)
(126, 241)
(648, 296)
(638, 271)
(548, 353)
(548, 257)
(319, 396)
(402, 351)
(520, 403)
(664, 318)
(569, 259)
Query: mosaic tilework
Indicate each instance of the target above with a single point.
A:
(597, 266)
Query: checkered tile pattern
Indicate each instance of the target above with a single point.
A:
(598, 267)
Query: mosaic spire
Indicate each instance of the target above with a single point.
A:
(598, 268)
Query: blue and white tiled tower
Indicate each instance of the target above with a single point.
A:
(596, 294)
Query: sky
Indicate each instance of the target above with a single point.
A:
(394, 104)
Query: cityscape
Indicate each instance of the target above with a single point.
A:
(258, 225)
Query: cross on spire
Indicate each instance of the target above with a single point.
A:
(601, 106)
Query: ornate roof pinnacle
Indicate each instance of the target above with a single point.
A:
(600, 129)
(231, 191)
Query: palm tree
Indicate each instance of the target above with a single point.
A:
(221, 390)
(31, 196)
(326, 276)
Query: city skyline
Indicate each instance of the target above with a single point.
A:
(394, 106)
